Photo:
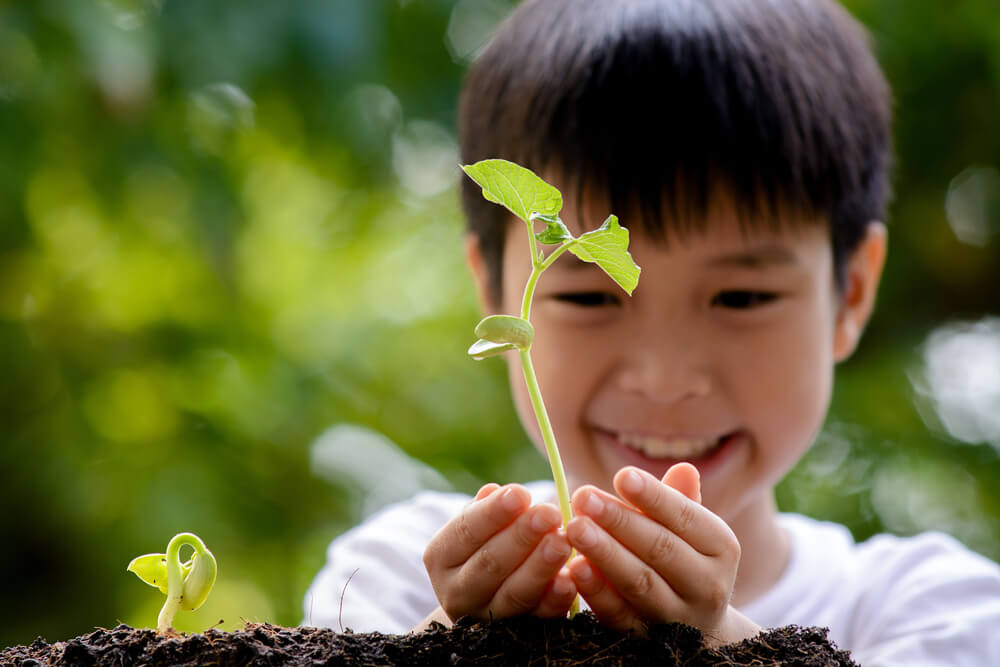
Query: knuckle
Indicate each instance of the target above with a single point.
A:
(663, 548)
(436, 556)
(718, 596)
(687, 515)
(654, 498)
(430, 560)
(514, 601)
(463, 529)
(524, 535)
(487, 562)
(641, 584)
(617, 519)
(733, 550)
(729, 550)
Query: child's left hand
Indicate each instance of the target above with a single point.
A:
(665, 558)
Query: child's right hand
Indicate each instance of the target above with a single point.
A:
(501, 557)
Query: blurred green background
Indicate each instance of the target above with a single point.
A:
(226, 227)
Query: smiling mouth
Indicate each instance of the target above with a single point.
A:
(669, 448)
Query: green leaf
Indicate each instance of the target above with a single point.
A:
(607, 246)
(514, 187)
(152, 569)
(555, 231)
(482, 349)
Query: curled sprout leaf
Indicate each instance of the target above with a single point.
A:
(607, 246)
(506, 329)
(499, 334)
(555, 231)
(186, 585)
(530, 198)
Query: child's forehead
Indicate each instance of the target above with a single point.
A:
(721, 217)
(723, 240)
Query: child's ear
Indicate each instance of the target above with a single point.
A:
(480, 276)
(864, 268)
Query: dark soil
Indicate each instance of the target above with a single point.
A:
(516, 641)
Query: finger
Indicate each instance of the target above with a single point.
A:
(693, 523)
(685, 478)
(610, 608)
(655, 546)
(477, 523)
(642, 587)
(487, 490)
(523, 590)
(558, 597)
(486, 570)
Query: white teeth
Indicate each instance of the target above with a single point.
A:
(676, 448)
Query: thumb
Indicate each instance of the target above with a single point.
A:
(685, 478)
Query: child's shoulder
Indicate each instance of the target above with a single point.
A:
(887, 595)
(820, 544)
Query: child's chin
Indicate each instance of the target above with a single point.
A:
(707, 463)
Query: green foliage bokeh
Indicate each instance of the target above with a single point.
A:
(227, 226)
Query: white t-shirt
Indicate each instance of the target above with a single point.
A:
(923, 600)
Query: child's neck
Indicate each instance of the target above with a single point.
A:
(765, 549)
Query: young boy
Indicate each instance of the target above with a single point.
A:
(746, 146)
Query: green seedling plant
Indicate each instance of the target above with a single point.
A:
(186, 584)
(533, 200)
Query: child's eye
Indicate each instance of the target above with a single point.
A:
(587, 299)
(743, 299)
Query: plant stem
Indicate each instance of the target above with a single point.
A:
(548, 436)
(175, 578)
(541, 415)
(175, 584)
(547, 262)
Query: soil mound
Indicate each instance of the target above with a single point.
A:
(514, 641)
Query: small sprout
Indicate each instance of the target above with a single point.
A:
(186, 585)
(530, 198)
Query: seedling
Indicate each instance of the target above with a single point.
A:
(186, 585)
(531, 199)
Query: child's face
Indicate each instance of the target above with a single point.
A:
(723, 356)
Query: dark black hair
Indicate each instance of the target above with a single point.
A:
(659, 105)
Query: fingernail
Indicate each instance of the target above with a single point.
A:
(510, 501)
(551, 553)
(632, 482)
(562, 587)
(587, 537)
(593, 505)
(541, 523)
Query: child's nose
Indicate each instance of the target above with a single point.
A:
(666, 366)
